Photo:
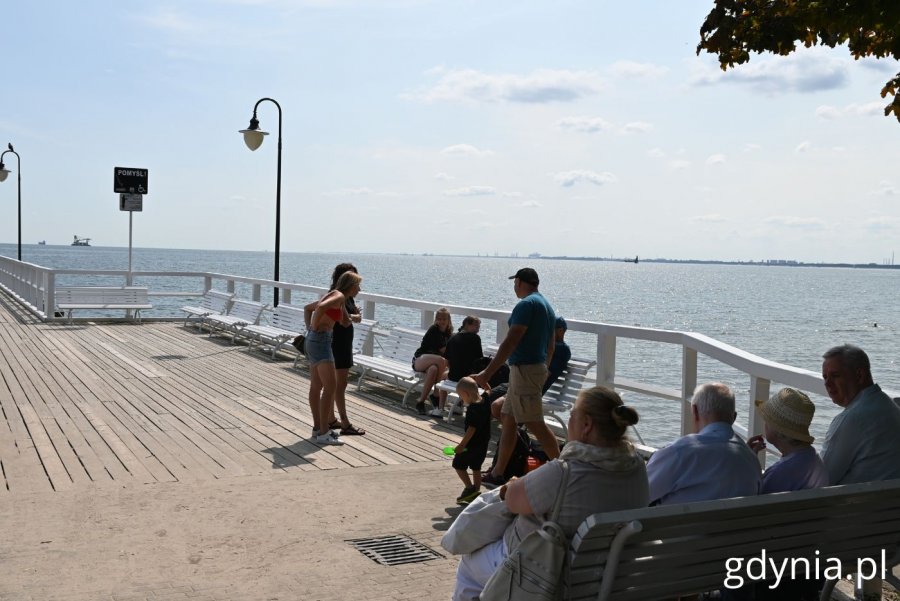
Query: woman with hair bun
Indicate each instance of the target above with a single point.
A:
(605, 474)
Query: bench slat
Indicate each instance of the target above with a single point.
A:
(682, 549)
(99, 298)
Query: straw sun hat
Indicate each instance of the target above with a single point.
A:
(789, 412)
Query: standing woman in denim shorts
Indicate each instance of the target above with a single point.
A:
(329, 310)
(342, 347)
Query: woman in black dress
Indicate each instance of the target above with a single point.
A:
(429, 357)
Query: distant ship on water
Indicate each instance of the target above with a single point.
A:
(81, 241)
(42, 242)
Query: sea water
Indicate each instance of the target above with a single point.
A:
(786, 314)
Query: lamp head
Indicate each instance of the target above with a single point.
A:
(4, 172)
(253, 136)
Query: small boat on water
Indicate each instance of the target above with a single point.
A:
(81, 241)
(42, 242)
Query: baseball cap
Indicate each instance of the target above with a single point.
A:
(527, 275)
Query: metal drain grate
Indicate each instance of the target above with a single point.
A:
(393, 550)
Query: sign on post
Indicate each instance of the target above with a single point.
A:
(131, 202)
(130, 180)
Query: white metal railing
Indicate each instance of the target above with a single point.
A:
(34, 287)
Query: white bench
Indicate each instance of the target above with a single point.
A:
(562, 394)
(241, 313)
(394, 363)
(212, 302)
(670, 551)
(362, 337)
(99, 298)
(284, 325)
(559, 398)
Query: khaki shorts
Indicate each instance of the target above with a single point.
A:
(524, 399)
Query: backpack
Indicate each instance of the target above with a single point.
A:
(501, 376)
(518, 463)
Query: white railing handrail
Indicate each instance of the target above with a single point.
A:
(34, 286)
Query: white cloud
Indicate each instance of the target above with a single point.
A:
(637, 127)
(679, 164)
(531, 204)
(471, 191)
(466, 150)
(869, 109)
(715, 159)
(709, 218)
(570, 178)
(540, 86)
(803, 147)
(806, 71)
(587, 125)
(880, 225)
(751, 147)
(656, 153)
(170, 21)
(886, 188)
(362, 191)
(444, 177)
(884, 65)
(634, 70)
(803, 223)
(828, 112)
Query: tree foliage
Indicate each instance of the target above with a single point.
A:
(735, 28)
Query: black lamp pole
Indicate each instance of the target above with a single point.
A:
(3, 173)
(253, 137)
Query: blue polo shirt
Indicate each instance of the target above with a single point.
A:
(535, 313)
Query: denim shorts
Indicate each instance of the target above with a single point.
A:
(318, 347)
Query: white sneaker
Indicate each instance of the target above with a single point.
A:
(436, 413)
(329, 439)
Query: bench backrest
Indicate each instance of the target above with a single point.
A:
(288, 317)
(400, 344)
(101, 295)
(215, 301)
(565, 389)
(675, 550)
(249, 311)
(362, 334)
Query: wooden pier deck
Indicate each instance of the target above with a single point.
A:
(94, 404)
(131, 424)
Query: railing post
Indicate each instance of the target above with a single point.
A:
(688, 385)
(759, 389)
(207, 284)
(426, 319)
(368, 312)
(255, 292)
(229, 286)
(502, 330)
(285, 296)
(606, 361)
(50, 297)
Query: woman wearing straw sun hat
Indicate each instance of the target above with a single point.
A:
(787, 416)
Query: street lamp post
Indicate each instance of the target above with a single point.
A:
(253, 138)
(4, 172)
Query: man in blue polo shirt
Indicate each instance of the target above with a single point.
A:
(529, 347)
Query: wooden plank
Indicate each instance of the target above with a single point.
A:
(83, 464)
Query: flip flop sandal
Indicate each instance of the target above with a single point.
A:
(352, 430)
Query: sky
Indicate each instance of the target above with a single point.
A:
(577, 128)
